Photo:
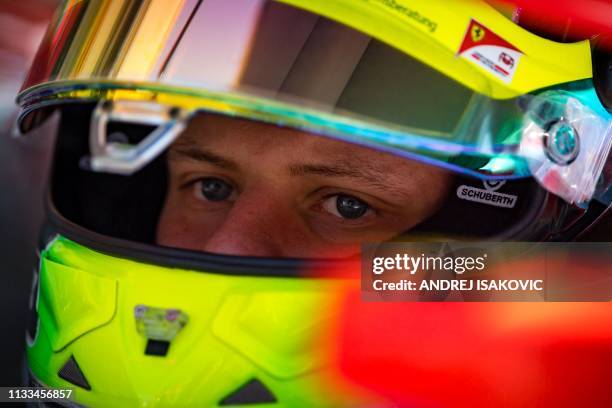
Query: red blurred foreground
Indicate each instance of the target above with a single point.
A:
(568, 19)
(480, 354)
(475, 354)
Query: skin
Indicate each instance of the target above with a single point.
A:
(285, 187)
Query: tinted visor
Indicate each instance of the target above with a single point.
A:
(270, 57)
(262, 48)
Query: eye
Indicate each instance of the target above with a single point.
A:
(213, 189)
(346, 206)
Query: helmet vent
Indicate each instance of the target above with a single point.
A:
(253, 392)
(73, 374)
(157, 348)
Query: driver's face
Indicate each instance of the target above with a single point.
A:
(245, 188)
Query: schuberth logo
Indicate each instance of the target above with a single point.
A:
(493, 185)
(489, 195)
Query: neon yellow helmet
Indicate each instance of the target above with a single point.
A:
(456, 84)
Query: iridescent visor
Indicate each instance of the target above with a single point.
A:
(269, 61)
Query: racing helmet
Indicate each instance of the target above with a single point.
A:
(519, 124)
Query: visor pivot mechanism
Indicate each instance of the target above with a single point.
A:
(113, 153)
(561, 143)
(567, 145)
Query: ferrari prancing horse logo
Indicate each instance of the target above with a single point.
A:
(478, 33)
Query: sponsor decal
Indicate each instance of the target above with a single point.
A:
(486, 196)
(410, 13)
(490, 52)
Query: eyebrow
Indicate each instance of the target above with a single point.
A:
(206, 156)
(358, 170)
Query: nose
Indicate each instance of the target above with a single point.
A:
(257, 225)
